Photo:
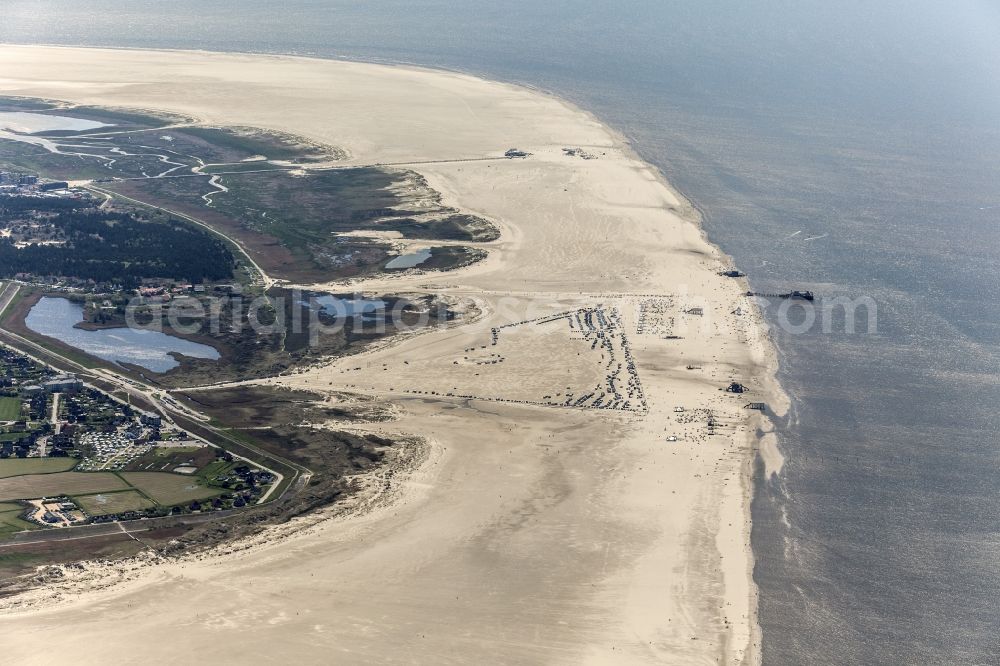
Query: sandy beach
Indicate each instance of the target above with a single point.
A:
(528, 532)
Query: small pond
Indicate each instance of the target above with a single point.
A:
(341, 307)
(409, 260)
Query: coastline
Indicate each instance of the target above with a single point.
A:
(468, 192)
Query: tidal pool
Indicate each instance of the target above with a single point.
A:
(410, 259)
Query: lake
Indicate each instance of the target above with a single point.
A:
(57, 317)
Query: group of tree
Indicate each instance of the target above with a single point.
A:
(107, 246)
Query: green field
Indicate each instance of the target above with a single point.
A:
(10, 523)
(170, 489)
(10, 409)
(214, 469)
(59, 483)
(108, 503)
(19, 466)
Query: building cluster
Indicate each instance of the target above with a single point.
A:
(58, 416)
(245, 477)
(33, 432)
(155, 290)
(61, 417)
(55, 512)
(22, 378)
(58, 384)
(22, 184)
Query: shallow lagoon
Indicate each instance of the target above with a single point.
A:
(22, 126)
(57, 318)
(28, 123)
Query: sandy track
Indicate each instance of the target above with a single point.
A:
(531, 534)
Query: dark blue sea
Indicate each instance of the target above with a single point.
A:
(849, 147)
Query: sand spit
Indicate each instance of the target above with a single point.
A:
(533, 532)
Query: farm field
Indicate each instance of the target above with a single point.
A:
(58, 483)
(170, 489)
(100, 504)
(19, 466)
(10, 409)
(10, 523)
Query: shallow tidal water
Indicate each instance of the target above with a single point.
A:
(848, 148)
(26, 122)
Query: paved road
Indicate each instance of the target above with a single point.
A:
(7, 295)
(130, 528)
